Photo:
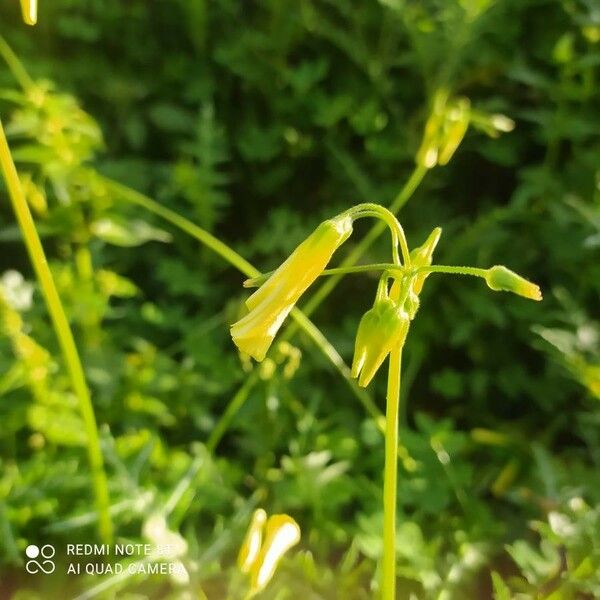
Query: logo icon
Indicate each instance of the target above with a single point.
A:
(45, 564)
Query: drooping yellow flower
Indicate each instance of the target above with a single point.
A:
(499, 278)
(29, 10)
(380, 329)
(272, 302)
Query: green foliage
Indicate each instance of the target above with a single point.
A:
(256, 121)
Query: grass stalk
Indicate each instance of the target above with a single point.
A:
(63, 333)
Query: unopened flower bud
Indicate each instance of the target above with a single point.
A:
(502, 123)
(381, 328)
(457, 125)
(423, 256)
(499, 278)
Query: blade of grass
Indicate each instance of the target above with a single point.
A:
(63, 333)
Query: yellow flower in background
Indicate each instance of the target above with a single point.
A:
(456, 126)
(253, 541)
(259, 560)
(500, 278)
(274, 299)
(29, 10)
(380, 329)
(444, 130)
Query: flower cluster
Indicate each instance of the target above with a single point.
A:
(383, 327)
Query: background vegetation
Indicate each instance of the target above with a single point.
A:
(255, 120)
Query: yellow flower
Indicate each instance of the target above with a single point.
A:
(272, 302)
(259, 559)
(380, 329)
(500, 278)
(253, 541)
(445, 129)
(281, 533)
(29, 10)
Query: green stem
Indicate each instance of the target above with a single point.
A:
(210, 241)
(15, 66)
(390, 477)
(249, 270)
(232, 409)
(369, 209)
(449, 269)
(63, 333)
(355, 255)
(453, 270)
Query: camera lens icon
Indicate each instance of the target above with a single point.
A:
(45, 554)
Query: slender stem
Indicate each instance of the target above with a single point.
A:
(232, 409)
(232, 257)
(449, 269)
(355, 255)
(369, 209)
(210, 241)
(64, 335)
(15, 65)
(390, 477)
(454, 270)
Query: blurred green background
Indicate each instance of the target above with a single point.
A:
(257, 120)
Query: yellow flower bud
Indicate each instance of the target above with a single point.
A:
(422, 257)
(281, 533)
(253, 541)
(502, 123)
(272, 302)
(380, 329)
(456, 129)
(29, 11)
(500, 278)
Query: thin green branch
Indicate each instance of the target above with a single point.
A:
(63, 333)
(453, 270)
(15, 66)
(232, 409)
(205, 238)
